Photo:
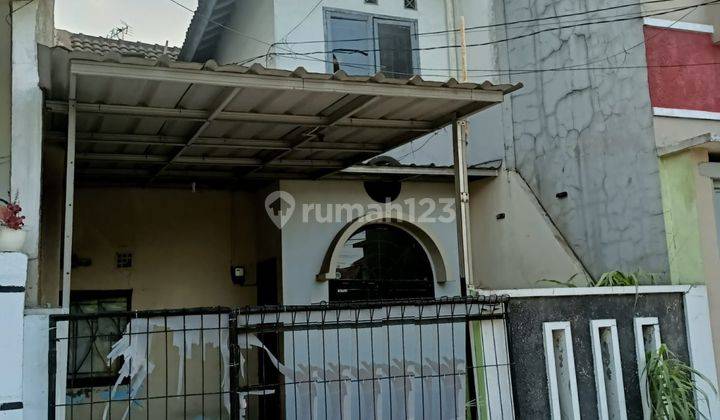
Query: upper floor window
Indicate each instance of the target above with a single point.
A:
(411, 4)
(363, 44)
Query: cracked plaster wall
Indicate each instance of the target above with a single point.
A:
(588, 133)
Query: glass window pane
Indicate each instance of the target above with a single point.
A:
(92, 339)
(382, 262)
(395, 44)
(349, 44)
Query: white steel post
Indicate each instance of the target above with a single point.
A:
(462, 204)
(69, 195)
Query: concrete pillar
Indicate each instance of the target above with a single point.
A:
(31, 23)
(4, 99)
(13, 274)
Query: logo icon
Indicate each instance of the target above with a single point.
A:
(279, 206)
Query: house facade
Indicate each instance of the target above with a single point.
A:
(563, 132)
(221, 234)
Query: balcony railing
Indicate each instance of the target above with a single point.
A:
(416, 359)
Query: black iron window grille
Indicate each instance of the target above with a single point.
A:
(432, 359)
(91, 339)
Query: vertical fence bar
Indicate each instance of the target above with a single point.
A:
(52, 367)
(202, 364)
(184, 362)
(167, 381)
(130, 398)
(147, 369)
(234, 366)
(221, 390)
(388, 314)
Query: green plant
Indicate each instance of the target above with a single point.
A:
(615, 278)
(672, 386)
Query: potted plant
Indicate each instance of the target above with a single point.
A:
(12, 235)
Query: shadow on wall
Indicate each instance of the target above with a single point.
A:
(515, 244)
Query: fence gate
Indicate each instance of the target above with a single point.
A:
(413, 359)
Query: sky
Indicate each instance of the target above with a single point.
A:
(152, 21)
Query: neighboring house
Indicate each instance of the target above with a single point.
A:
(230, 238)
(102, 45)
(618, 154)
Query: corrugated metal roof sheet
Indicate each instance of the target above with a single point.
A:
(101, 45)
(163, 121)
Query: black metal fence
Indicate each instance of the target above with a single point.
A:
(412, 359)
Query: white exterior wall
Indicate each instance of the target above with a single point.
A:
(252, 18)
(522, 248)
(35, 362)
(430, 16)
(304, 245)
(13, 274)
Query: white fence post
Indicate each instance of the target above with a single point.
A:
(13, 275)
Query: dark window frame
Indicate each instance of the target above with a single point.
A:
(372, 21)
(95, 380)
(410, 4)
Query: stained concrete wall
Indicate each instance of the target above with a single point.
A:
(589, 133)
(183, 245)
(508, 222)
(689, 210)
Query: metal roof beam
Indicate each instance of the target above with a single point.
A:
(201, 115)
(218, 142)
(345, 111)
(281, 82)
(414, 171)
(202, 160)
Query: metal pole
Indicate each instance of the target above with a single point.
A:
(462, 204)
(463, 51)
(69, 195)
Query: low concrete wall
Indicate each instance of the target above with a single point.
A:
(13, 276)
(683, 317)
(35, 362)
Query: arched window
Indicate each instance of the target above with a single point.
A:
(382, 261)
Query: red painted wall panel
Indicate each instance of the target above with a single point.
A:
(689, 87)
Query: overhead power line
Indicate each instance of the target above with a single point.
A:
(505, 24)
(516, 37)
(502, 72)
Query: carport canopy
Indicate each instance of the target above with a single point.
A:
(160, 122)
